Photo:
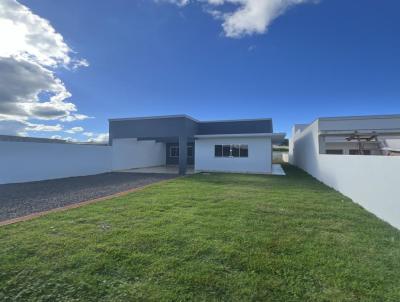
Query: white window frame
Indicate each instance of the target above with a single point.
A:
(230, 150)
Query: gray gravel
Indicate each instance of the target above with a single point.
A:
(26, 198)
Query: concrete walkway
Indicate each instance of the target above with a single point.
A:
(277, 170)
(159, 170)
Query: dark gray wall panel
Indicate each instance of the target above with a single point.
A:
(152, 127)
(169, 129)
(235, 127)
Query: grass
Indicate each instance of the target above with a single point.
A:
(216, 237)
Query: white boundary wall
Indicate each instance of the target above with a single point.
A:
(31, 161)
(129, 153)
(28, 161)
(371, 181)
(259, 160)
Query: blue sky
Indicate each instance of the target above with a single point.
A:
(334, 57)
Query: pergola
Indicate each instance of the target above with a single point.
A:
(359, 136)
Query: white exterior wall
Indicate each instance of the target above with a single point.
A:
(28, 161)
(371, 181)
(130, 153)
(259, 160)
(360, 123)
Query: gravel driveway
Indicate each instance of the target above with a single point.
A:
(26, 198)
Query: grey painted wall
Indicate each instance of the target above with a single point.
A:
(236, 127)
(162, 127)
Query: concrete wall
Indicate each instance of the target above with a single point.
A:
(259, 160)
(371, 181)
(279, 157)
(130, 153)
(31, 161)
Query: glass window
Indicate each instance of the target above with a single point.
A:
(190, 151)
(357, 152)
(354, 152)
(226, 150)
(218, 151)
(235, 150)
(334, 151)
(231, 150)
(244, 151)
(174, 151)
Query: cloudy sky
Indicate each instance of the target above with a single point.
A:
(68, 66)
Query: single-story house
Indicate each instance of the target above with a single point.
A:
(225, 146)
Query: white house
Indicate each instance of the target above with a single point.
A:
(243, 146)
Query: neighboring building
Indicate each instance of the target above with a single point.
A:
(226, 146)
(355, 156)
(355, 135)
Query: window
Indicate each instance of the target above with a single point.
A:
(244, 151)
(231, 150)
(218, 151)
(226, 150)
(357, 152)
(334, 151)
(235, 150)
(190, 151)
(173, 151)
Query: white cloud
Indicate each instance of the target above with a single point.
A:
(22, 127)
(42, 127)
(249, 17)
(30, 52)
(95, 138)
(99, 138)
(177, 2)
(56, 137)
(74, 130)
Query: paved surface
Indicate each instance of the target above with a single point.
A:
(277, 170)
(23, 199)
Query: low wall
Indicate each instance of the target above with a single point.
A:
(30, 161)
(128, 153)
(371, 181)
(279, 157)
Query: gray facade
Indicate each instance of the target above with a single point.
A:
(180, 130)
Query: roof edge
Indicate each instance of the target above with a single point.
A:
(241, 135)
(152, 117)
(361, 117)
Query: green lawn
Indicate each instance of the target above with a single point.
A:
(206, 238)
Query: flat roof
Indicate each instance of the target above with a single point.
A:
(276, 137)
(152, 117)
(361, 117)
(188, 117)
